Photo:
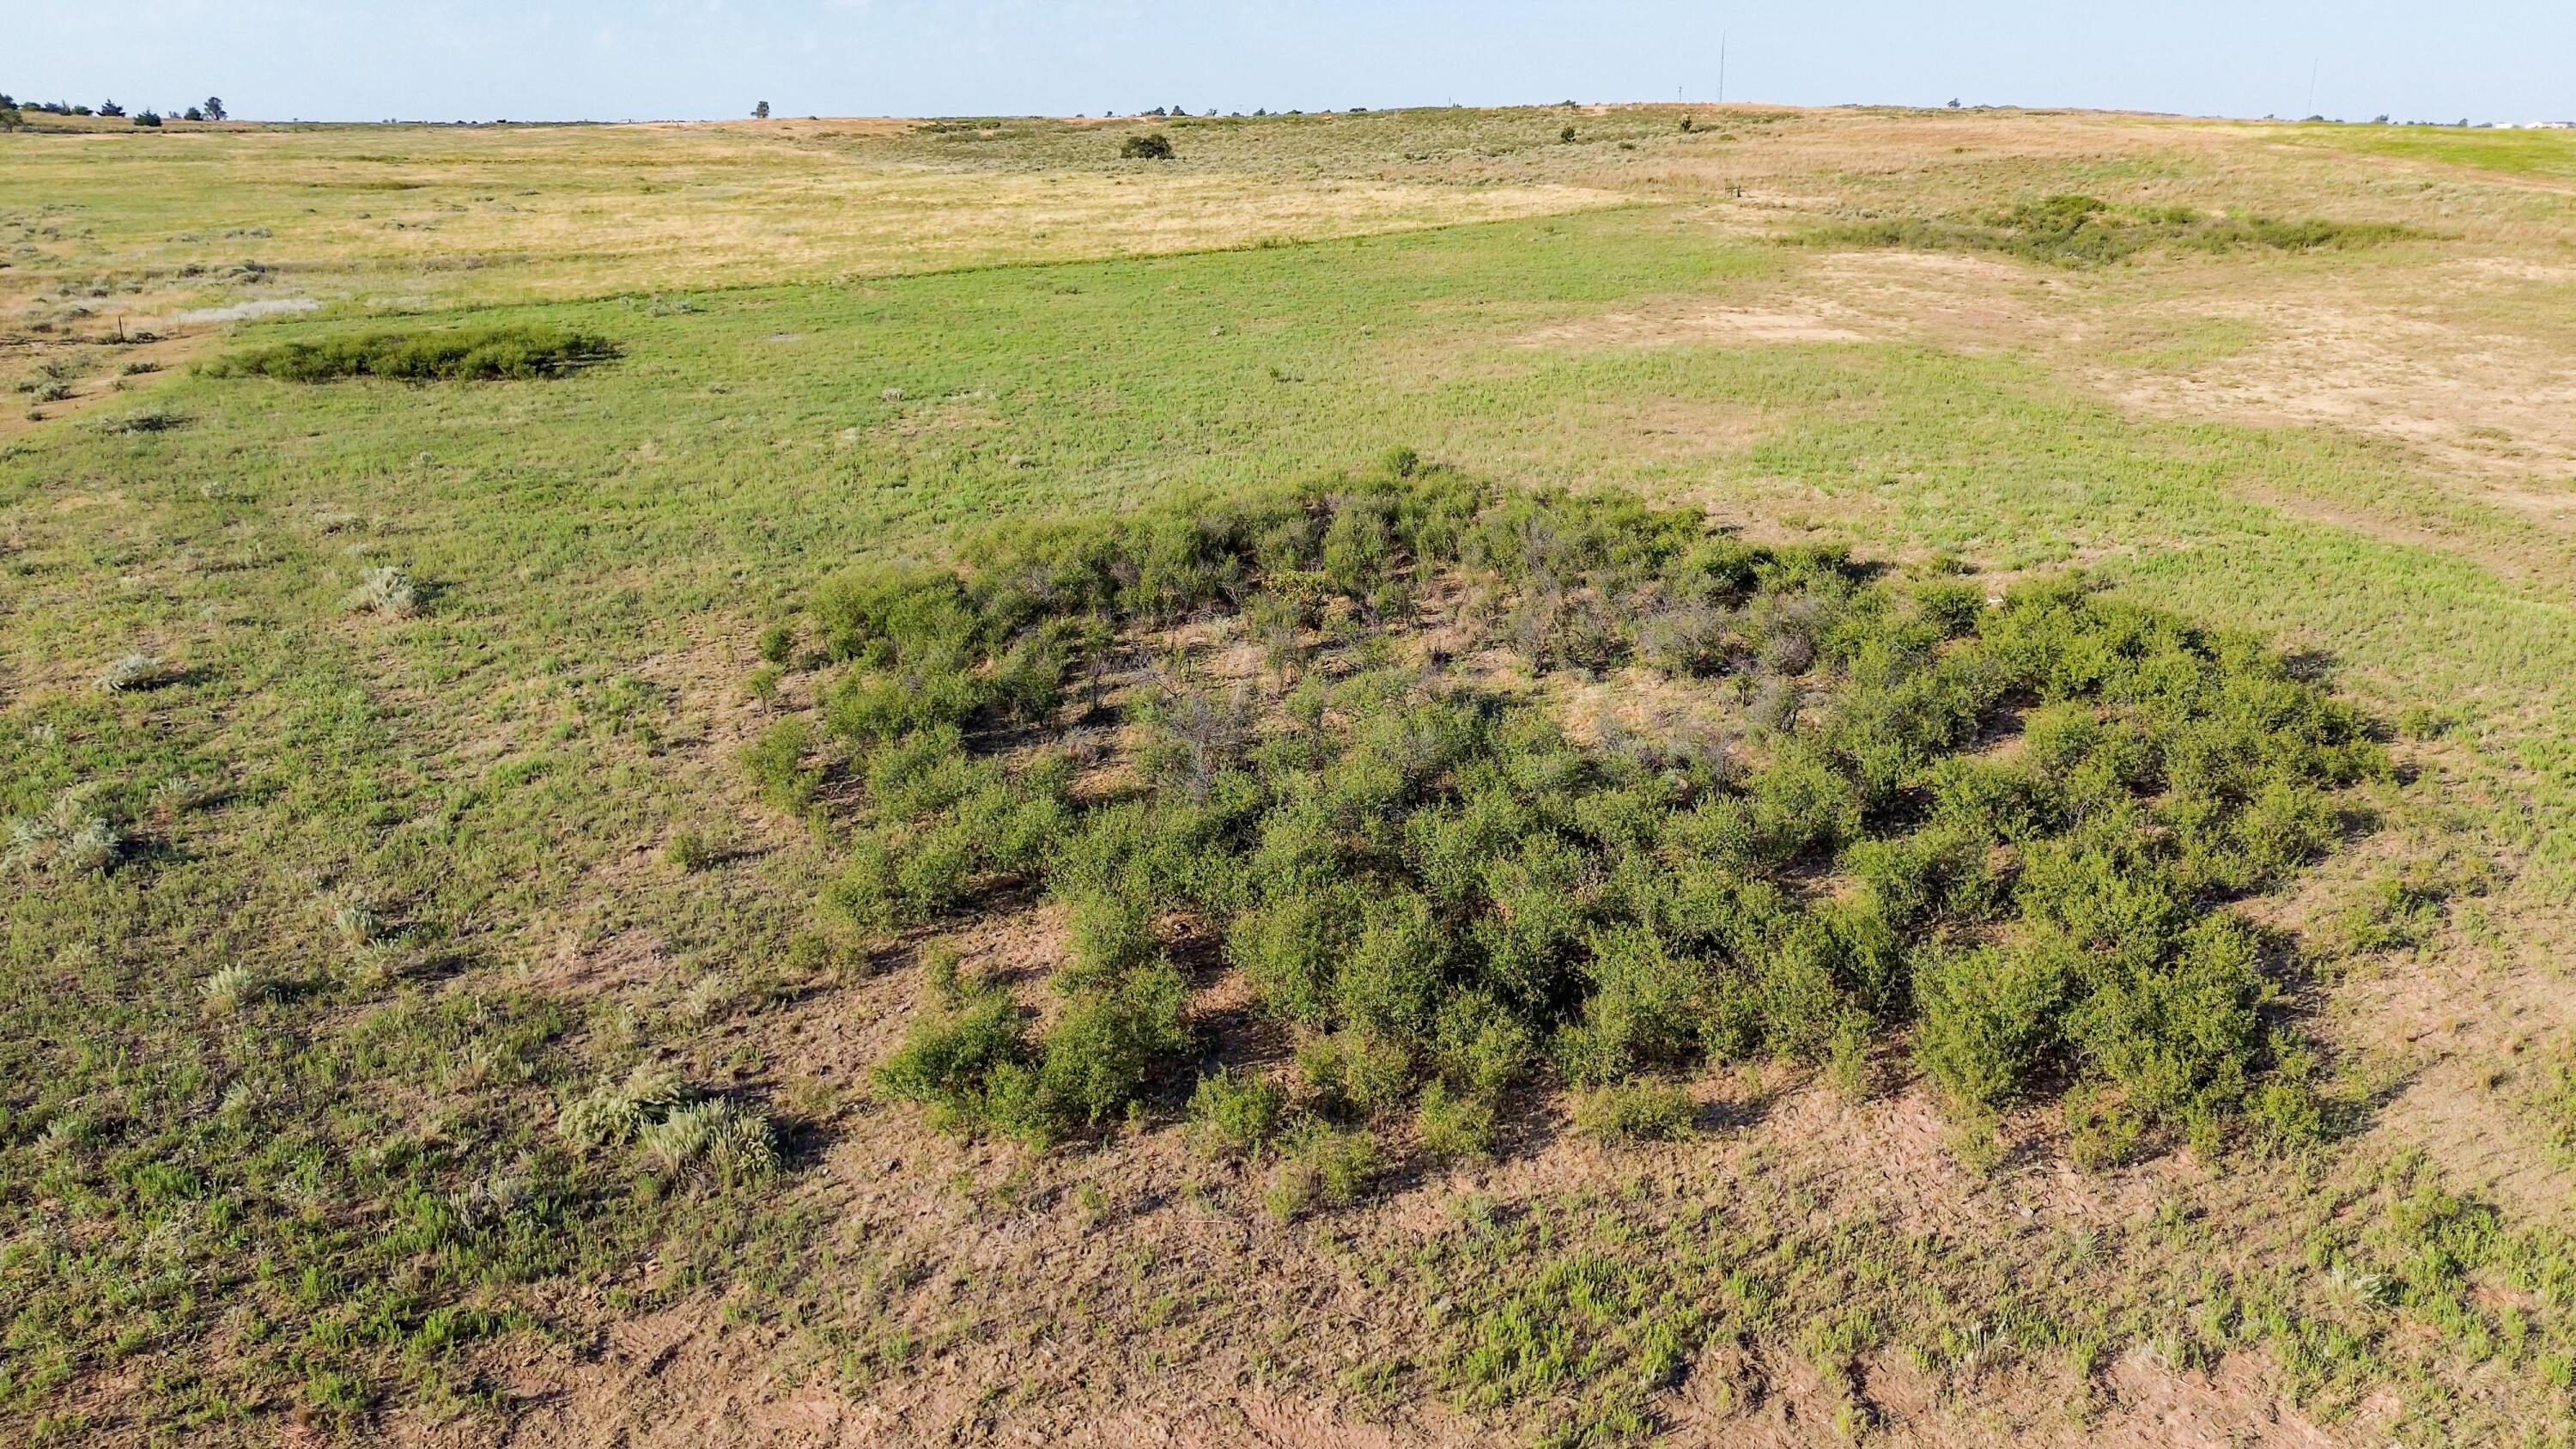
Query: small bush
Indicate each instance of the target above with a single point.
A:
(1152, 146)
(1634, 1112)
(951, 1059)
(1325, 1167)
(1100, 1051)
(1237, 1112)
(777, 766)
(690, 852)
(518, 351)
(1454, 1125)
(1988, 1020)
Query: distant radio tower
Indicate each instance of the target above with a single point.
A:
(1721, 67)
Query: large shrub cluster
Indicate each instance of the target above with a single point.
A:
(476, 354)
(2007, 829)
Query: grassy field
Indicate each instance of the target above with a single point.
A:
(398, 862)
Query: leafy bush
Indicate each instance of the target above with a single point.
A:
(690, 852)
(1237, 1112)
(1152, 146)
(514, 351)
(1325, 1167)
(1635, 1112)
(777, 766)
(950, 1058)
(1099, 1053)
(1454, 1124)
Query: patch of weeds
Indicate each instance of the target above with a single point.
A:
(136, 671)
(386, 592)
(674, 1129)
(151, 420)
(66, 838)
(231, 988)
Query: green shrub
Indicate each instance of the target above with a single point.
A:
(1454, 1124)
(1324, 1168)
(1357, 1071)
(2180, 1034)
(519, 351)
(1989, 1018)
(1152, 146)
(1634, 1112)
(951, 1057)
(691, 852)
(1237, 1112)
(776, 763)
(1099, 1052)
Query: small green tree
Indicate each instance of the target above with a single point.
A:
(760, 112)
(214, 108)
(1152, 146)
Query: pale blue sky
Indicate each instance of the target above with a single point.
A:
(2507, 60)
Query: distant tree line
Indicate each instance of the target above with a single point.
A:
(13, 112)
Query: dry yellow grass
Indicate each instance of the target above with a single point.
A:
(154, 227)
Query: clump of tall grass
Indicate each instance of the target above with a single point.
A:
(674, 1130)
(612, 1113)
(386, 592)
(231, 988)
(133, 671)
(66, 838)
(520, 351)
